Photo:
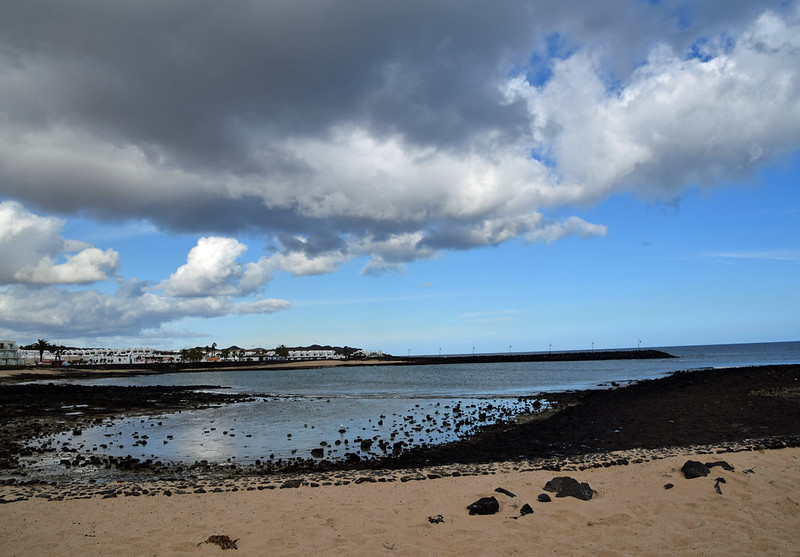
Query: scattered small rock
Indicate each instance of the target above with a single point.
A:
(669, 486)
(225, 542)
(543, 498)
(438, 519)
(526, 509)
(484, 505)
(291, 484)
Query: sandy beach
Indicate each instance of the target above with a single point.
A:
(755, 512)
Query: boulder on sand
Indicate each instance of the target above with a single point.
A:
(564, 486)
(694, 469)
(484, 505)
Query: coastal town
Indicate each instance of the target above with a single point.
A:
(48, 354)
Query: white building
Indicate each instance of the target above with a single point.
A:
(96, 356)
(313, 354)
(105, 356)
(9, 353)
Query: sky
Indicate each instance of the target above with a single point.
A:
(411, 177)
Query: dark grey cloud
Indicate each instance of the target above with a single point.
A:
(353, 121)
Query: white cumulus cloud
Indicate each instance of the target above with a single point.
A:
(211, 269)
(32, 251)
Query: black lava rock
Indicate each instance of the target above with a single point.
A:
(693, 469)
(565, 486)
(555, 485)
(578, 490)
(484, 505)
(543, 498)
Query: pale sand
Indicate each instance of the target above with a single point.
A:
(757, 513)
(45, 372)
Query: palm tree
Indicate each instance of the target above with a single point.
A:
(41, 345)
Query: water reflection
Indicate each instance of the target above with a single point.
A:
(285, 428)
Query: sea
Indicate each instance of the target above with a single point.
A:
(372, 410)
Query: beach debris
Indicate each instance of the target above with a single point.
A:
(716, 484)
(225, 542)
(564, 486)
(484, 505)
(721, 463)
(694, 469)
(505, 492)
(438, 519)
(543, 498)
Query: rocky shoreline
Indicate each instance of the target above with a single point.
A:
(731, 409)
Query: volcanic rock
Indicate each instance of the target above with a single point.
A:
(694, 469)
(484, 505)
(564, 486)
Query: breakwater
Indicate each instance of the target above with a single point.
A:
(599, 355)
